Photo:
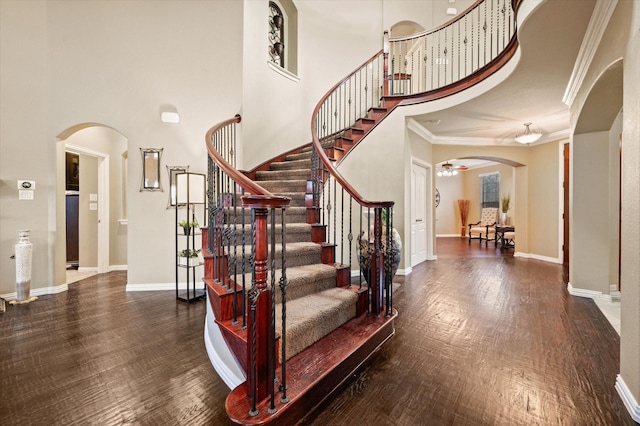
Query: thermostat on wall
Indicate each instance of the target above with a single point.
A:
(26, 184)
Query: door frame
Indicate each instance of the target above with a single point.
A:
(429, 199)
(103, 202)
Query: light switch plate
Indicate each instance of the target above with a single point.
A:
(93, 206)
(93, 197)
(25, 194)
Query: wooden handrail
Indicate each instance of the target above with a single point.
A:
(325, 159)
(260, 196)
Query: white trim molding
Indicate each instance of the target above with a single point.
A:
(537, 257)
(590, 294)
(38, 291)
(628, 399)
(118, 268)
(595, 30)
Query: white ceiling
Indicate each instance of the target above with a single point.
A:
(550, 40)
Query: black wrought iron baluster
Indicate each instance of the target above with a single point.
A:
(433, 71)
(445, 59)
(272, 341)
(210, 203)
(283, 289)
(366, 88)
(389, 260)
(342, 227)
(335, 213)
(478, 42)
(328, 185)
(368, 246)
(218, 227)
(360, 236)
(350, 236)
(235, 253)
(244, 272)
(228, 230)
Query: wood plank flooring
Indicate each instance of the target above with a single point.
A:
(482, 338)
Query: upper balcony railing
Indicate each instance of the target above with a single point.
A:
(451, 53)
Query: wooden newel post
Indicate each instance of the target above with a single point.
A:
(259, 333)
(259, 320)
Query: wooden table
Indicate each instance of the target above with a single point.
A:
(499, 235)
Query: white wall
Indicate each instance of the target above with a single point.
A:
(277, 110)
(24, 152)
(66, 63)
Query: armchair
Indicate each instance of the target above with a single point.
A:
(486, 226)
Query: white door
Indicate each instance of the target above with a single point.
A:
(418, 214)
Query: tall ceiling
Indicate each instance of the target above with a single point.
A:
(550, 40)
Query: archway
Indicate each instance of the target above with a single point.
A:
(102, 201)
(594, 188)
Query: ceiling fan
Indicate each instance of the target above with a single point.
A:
(448, 169)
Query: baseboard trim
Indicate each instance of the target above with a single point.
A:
(38, 291)
(158, 287)
(628, 399)
(88, 269)
(537, 257)
(590, 294)
(403, 272)
(449, 236)
(117, 268)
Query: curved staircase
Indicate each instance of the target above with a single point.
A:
(320, 299)
(285, 327)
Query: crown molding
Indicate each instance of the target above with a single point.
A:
(425, 134)
(595, 30)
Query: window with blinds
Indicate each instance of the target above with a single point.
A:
(490, 190)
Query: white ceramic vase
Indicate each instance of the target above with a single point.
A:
(24, 255)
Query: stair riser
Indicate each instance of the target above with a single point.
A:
(298, 215)
(302, 156)
(292, 260)
(284, 175)
(277, 187)
(297, 200)
(304, 164)
(291, 237)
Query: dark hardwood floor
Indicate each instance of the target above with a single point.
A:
(482, 338)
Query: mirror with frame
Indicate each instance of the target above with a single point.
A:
(151, 169)
(173, 171)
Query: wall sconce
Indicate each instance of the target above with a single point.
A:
(169, 114)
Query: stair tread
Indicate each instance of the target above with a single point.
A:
(312, 317)
(302, 280)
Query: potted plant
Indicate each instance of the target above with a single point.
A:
(187, 225)
(187, 254)
(505, 201)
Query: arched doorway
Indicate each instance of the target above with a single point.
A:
(594, 187)
(102, 226)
